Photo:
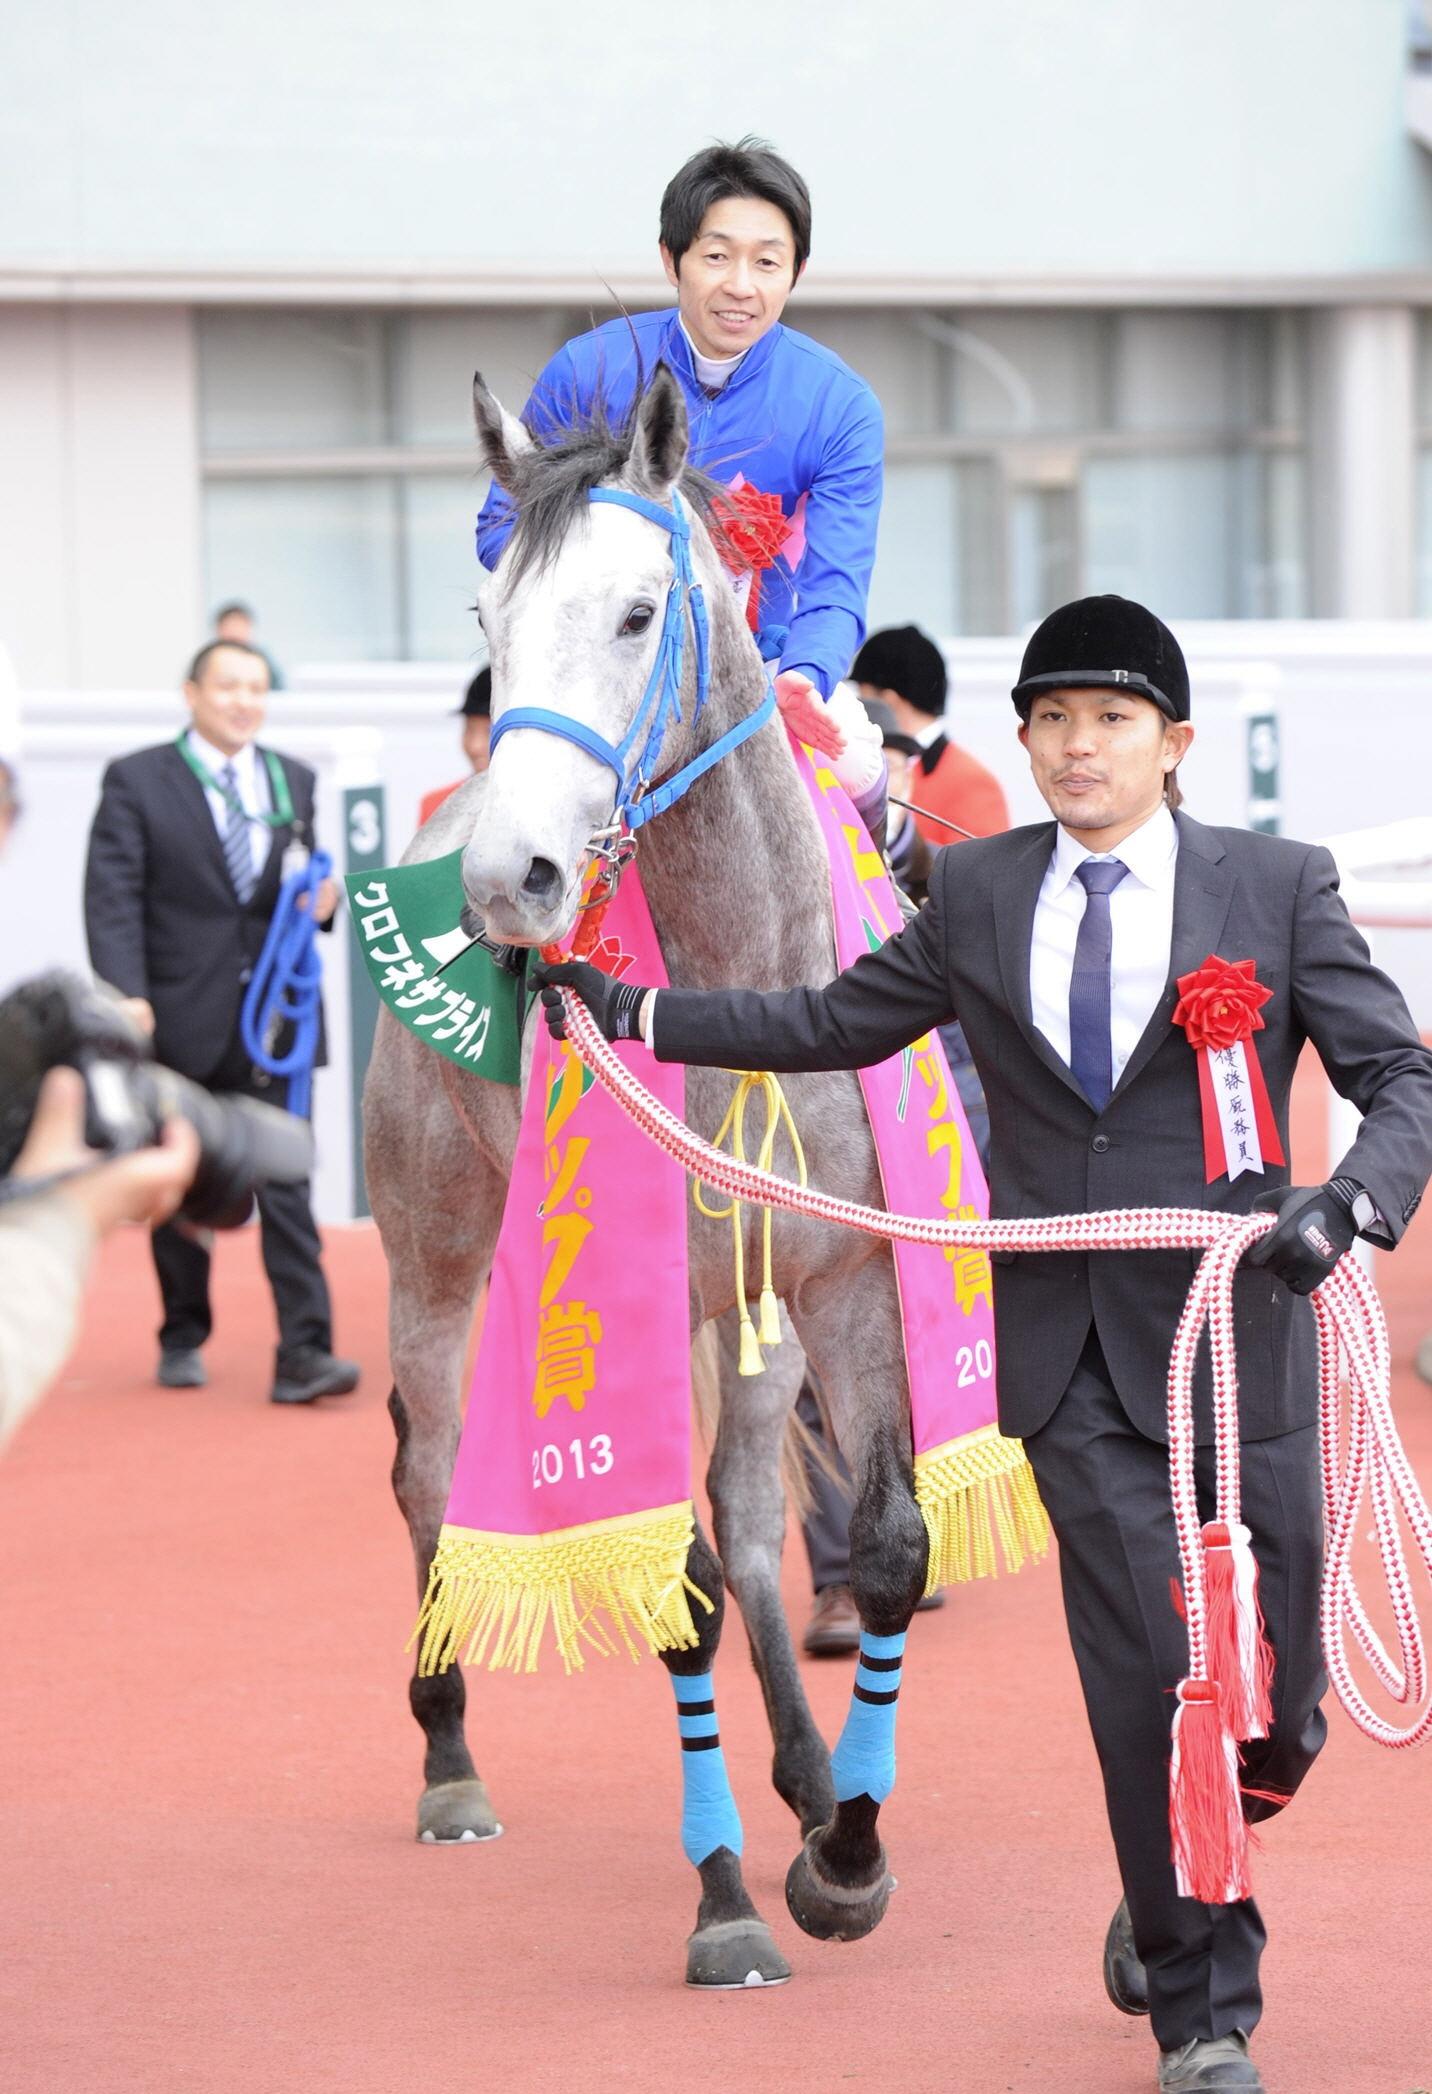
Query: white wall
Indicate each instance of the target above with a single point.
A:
(1000, 138)
(99, 493)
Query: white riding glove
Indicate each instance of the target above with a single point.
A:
(862, 759)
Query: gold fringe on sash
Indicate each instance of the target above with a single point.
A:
(610, 1585)
(971, 1490)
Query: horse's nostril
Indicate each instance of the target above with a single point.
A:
(543, 882)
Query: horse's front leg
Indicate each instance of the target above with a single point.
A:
(839, 1884)
(731, 1947)
(748, 1504)
(437, 1200)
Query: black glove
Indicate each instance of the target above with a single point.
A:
(1315, 1228)
(614, 1005)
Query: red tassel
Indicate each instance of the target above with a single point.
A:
(1240, 1659)
(1209, 1837)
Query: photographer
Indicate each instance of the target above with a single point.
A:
(48, 1237)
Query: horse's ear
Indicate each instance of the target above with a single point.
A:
(501, 435)
(662, 439)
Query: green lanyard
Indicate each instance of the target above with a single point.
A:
(282, 813)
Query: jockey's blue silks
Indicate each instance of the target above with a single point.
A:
(286, 985)
(709, 1818)
(661, 700)
(863, 1763)
(792, 420)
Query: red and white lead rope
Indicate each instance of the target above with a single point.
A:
(1224, 1699)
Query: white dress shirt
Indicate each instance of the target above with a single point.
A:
(1141, 920)
(252, 783)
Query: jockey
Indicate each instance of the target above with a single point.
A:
(773, 414)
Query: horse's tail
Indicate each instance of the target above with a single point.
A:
(801, 1449)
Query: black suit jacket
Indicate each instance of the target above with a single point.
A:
(1241, 895)
(161, 915)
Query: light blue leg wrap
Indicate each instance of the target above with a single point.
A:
(709, 1818)
(863, 1762)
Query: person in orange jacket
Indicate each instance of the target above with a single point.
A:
(903, 669)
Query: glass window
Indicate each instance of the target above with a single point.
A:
(315, 557)
(1014, 374)
(1177, 371)
(1159, 529)
(440, 570)
(437, 354)
(902, 364)
(1424, 532)
(1035, 455)
(291, 381)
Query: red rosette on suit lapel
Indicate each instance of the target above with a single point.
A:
(753, 529)
(1220, 1007)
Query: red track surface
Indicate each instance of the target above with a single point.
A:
(207, 1868)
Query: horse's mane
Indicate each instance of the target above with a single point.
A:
(574, 450)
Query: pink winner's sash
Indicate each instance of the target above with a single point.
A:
(571, 1498)
(971, 1483)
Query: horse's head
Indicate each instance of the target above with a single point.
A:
(573, 617)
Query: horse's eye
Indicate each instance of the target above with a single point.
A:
(638, 618)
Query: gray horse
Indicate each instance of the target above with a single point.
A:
(736, 878)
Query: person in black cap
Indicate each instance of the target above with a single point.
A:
(1060, 946)
(476, 715)
(903, 670)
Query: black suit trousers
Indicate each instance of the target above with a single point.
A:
(1106, 1489)
(291, 1250)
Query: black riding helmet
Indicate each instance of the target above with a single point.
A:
(1104, 641)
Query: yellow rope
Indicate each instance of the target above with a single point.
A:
(778, 1114)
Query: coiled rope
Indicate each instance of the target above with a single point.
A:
(1352, 1340)
(287, 984)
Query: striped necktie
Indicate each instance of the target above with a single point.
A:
(1091, 1052)
(238, 852)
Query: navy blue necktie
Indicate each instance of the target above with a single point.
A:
(1091, 1054)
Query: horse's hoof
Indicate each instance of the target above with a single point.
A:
(835, 1911)
(735, 1956)
(453, 1812)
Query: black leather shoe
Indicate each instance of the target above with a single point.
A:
(1209, 2065)
(930, 1602)
(182, 1369)
(1125, 1979)
(304, 1376)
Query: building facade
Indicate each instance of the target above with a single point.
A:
(1146, 294)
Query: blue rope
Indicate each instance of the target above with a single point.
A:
(286, 985)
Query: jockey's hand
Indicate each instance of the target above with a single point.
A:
(806, 713)
(1315, 1229)
(616, 1006)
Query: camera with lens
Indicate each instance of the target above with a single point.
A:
(57, 1018)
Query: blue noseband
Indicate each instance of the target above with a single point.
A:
(638, 800)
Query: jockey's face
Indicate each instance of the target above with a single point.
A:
(230, 699)
(735, 277)
(1100, 758)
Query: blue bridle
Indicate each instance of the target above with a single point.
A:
(638, 800)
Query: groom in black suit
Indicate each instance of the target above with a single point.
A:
(1059, 948)
(186, 856)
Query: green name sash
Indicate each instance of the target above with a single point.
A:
(451, 993)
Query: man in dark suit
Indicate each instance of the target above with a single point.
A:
(186, 856)
(1060, 947)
